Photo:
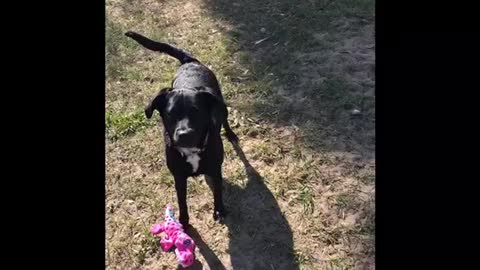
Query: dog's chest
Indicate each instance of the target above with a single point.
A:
(192, 156)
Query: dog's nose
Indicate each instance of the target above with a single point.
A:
(183, 131)
(183, 136)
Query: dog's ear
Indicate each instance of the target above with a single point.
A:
(157, 103)
(218, 109)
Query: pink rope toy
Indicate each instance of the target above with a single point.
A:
(175, 236)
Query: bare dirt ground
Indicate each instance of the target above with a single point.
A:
(299, 79)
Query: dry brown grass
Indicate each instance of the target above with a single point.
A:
(300, 189)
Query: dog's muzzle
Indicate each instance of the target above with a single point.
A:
(184, 137)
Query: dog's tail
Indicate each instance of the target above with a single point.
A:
(181, 55)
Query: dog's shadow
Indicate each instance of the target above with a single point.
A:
(260, 236)
(207, 253)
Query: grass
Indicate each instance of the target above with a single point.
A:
(306, 198)
(345, 201)
(307, 202)
(302, 260)
(118, 126)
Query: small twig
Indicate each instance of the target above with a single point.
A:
(261, 40)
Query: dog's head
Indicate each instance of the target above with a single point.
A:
(188, 115)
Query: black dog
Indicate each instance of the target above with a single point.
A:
(193, 112)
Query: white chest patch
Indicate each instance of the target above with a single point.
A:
(193, 157)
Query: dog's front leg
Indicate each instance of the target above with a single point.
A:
(181, 188)
(219, 211)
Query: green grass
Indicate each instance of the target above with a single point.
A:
(125, 125)
(345, 201)
(306, 199)
(149, 245)
(302, 259)
(337, 264)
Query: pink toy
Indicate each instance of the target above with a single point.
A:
(175, 236)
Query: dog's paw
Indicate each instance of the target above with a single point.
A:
(185, 223)
(219, 215)
(186, 226)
